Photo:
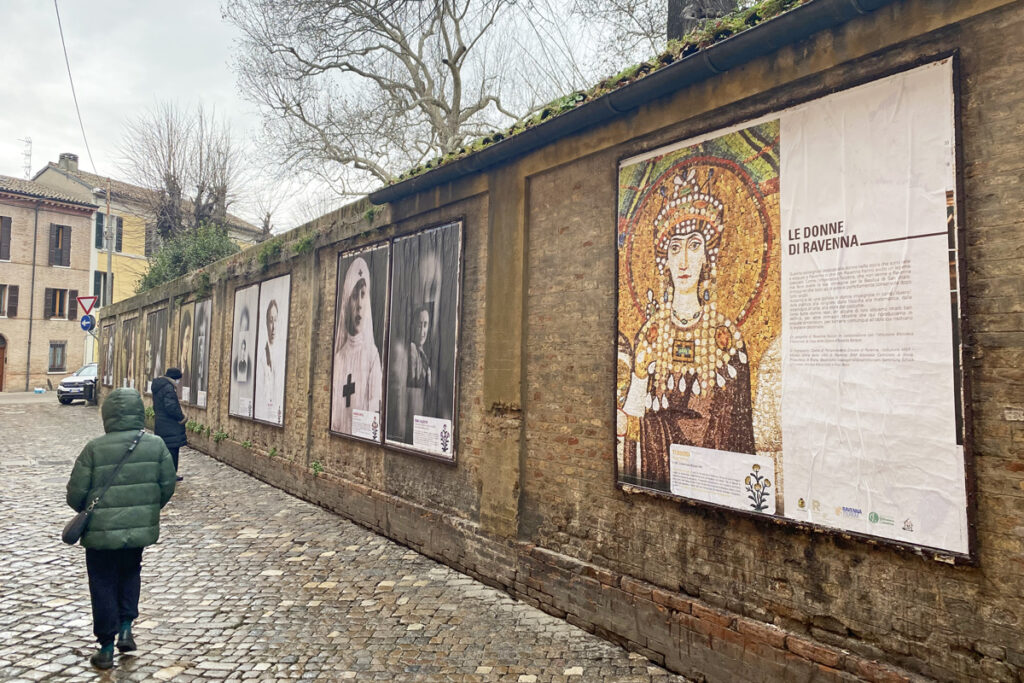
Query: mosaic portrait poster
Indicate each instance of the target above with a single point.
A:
(126, 364)
(243, 349)
(272, 352)
(183, 355)
(422, 343)
(357, 386)
(201, 324)
(156, 343)
(786, 339)
(108, 354)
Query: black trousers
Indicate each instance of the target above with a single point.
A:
(114, 584)
(174, 456)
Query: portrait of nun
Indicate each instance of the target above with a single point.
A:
(358, 372)
(243, 341)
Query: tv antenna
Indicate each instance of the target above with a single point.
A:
(27, 155)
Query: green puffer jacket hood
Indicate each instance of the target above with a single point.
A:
(128, 515)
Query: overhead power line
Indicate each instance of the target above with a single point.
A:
(73, 95)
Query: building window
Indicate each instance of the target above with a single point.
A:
(5, 238)
(118, 232)
(60, 245)
(153, 241)
(60, 303)
(99, 286)
(8, 301)
(58, 356)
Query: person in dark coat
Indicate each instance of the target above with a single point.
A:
(169, 422)
(126, 519)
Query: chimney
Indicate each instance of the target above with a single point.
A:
(68, 162)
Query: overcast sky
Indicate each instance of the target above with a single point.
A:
(125, 56)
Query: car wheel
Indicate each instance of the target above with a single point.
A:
(64, 401)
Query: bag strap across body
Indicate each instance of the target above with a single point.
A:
(116, 470)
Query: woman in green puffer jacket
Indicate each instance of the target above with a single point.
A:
(125, 521)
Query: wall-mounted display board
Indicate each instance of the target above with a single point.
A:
(357, 384)
(789, 320)
(107, 344)
(201, 324)
(243, 345)
(156, 343)
(183, 357)
(423, 340)
(126, 362)
(272, 349)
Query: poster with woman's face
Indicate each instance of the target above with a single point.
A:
(788, 314)
(156, 333)
(127, 362)
(359, 321)
(243, 350)
(201, 351)
(272, 349)
(699, 313)
(108, 354)
(423, 336)
(186, 332)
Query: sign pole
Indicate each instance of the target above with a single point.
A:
(111, 235)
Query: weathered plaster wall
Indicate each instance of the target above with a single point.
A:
(531, 504)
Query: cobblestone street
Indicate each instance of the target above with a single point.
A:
(248, 582)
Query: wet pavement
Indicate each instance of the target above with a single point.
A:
(249, 583)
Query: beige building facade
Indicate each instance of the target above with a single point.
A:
(44, 266)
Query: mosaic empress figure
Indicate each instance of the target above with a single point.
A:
(690, 381)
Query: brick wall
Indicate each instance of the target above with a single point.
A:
(531, 505)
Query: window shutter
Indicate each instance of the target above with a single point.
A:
(5, 238)
(65, 255)
(119, 233)
(12, 301)
(111, 289)
(99, 230)
(73, 304)
(48, 304)
(97, 285)
(53, 244)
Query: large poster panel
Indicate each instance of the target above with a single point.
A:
(186, 332)
(360, 318)
(156, 337)
(788, 304)
(201, 352)
(127, 360)
(272, 356)
(423, 336)
(108, 354)
(243, 344)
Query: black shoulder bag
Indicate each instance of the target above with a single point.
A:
(74, 529)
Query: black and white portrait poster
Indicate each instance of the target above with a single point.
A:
(272, 351)
(186, 330)
(127, 362)
(201, 352)
(156, 337)
(423, 336)
(108, 355)
(360, 319)
(243, 346)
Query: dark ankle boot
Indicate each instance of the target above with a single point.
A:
(125, 640)
(104, 657)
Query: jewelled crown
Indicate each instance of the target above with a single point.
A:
(690, 207)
